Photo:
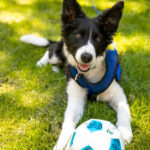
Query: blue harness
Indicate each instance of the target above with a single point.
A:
(113, 72)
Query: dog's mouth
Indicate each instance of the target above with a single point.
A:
(83, 67)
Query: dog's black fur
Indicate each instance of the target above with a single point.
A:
(74, 21)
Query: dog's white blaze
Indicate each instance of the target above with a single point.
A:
(88, 48)
(39, 41)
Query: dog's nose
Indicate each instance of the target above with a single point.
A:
(86, 57)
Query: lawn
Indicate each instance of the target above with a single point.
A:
(33, 100)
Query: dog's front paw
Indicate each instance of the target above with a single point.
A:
(126, 134)
(59, 146)
(55, 69)
(64, 139)
(40, 64)
(62, 144)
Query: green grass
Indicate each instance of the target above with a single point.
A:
(33, 100)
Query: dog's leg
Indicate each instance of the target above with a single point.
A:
(44, 60)
(117, 100)
(74, 111)
(53, 55)
(55, 69)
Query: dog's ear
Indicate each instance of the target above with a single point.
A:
(70, 11)
(110, 18)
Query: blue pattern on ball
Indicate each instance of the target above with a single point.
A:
(87, 148)
(115, 144)
(71, 143)
(94, 126)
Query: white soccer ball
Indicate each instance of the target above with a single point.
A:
(96, 134)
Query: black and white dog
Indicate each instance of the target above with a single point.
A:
(84, 46)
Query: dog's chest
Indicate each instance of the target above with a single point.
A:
(96, 74)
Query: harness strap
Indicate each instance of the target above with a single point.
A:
(118, 73)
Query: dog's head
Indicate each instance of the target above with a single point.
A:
(87, 39)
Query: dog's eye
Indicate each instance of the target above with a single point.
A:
(98, 39)
(78, 36)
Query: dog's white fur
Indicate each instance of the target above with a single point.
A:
(55, 69)
(46, 60)
(114, 95)
(31, 39)
(74, 111)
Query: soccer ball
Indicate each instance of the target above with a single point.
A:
(96, 134)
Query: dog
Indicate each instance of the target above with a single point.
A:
(83, 48)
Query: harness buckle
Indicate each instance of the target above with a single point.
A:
(77, 76)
